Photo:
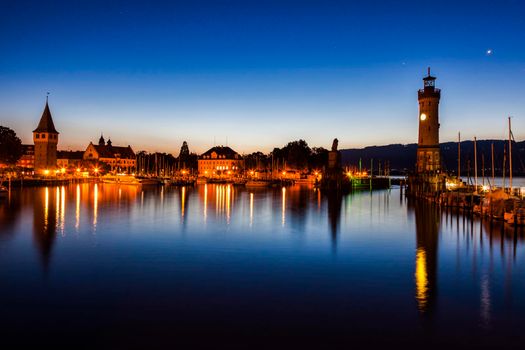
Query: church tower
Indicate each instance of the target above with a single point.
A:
(428, 155)
(45, 137)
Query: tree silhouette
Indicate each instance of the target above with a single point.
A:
(10, 146)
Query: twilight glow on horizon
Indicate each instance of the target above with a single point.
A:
(258, 74)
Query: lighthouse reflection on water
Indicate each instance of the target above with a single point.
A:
(375, 249)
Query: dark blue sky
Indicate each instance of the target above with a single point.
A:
(259, 73)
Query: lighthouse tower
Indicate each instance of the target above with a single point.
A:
(428, 155)
(45, 137)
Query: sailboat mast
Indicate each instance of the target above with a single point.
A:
(483, 170)
(492, 155)
(510, 158)
(475, 164)
(459, 156)
(504, 164)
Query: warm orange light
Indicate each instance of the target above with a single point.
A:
(78, 170)
(46, 172)
(95, 170)
(63, 170)
(421, 277)
(284, 172)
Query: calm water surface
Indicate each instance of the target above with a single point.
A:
(102, 265)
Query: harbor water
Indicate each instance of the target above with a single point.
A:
(109, 266)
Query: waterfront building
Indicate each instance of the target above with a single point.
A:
(70, 159)
(118, 158)
(27, 160)
(428, 154)
(45, 138)
(220, 161)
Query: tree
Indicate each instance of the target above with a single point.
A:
(318, 158)
(184, 155)
(10, 146)
(184, 151)
(256, 160)
(297, 154)
(193, 161)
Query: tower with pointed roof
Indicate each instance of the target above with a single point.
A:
(45, 137)
(428, 155)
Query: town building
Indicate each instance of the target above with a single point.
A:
(71, 160)
(45, 138)
(119, 159)
(220, 161)
(27, 160)
(428, 154)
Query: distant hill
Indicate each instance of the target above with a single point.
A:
(402, 158)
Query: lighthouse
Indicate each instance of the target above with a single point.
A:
(428, 155)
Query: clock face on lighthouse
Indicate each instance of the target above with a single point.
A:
(423, 117)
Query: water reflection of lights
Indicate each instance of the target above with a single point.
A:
(57, 205)
(217, 199)
(62, 208)
(205, 202)
(183, 200)
(421, 277)
(228, 198)
(485, 301)
(95, 206)
(46, 208)
(251, 209)
(223, 200)
(77, 210)
(284, 206)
